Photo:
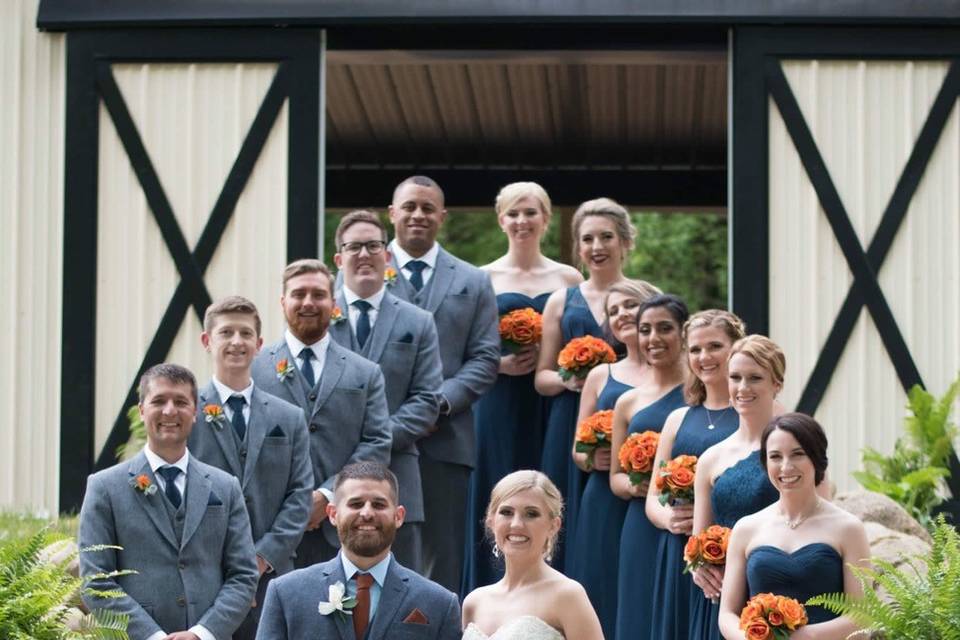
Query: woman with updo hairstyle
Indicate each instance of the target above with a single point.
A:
(532, 601)
(602, 237)
(645, 408)
(509, 418)
(708, 337)
(800, 546)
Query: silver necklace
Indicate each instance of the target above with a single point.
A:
(711, 423)
(793, 524)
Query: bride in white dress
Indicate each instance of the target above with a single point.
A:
(533, 601)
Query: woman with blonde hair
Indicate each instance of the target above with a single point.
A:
(532, 601)
(509, 418)
(602, 237)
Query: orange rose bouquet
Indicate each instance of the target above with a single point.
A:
(675, 480)
(636, 455)
(582, 354)
(707, 547)
(595, 432)
(520, 328)
(768, 616)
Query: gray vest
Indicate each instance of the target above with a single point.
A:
(177, 516)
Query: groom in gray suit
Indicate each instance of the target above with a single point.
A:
(363, 593)
(340, 393)
(181, 526)
(464, 308)
(256, 437)
(402, 339)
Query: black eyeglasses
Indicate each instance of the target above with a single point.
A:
(373, 247)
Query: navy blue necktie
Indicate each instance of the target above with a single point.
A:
(363, 322)
(416, 268)
(236, 405)
(170, 476)
(307, 368)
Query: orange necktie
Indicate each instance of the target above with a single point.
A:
(361, 612)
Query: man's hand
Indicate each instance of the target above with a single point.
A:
(182, 635)
(319, 513)
(262, 565)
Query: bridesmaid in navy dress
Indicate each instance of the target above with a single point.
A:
(802, 545)
(645, 409)
(509, 418)
(708, 336)
(603, 236)
(596, 541)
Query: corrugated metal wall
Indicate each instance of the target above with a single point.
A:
(32, 68)
(865, 118)
(192, 119)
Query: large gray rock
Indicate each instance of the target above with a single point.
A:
(875, 507)
(899, 549)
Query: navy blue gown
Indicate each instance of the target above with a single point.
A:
(508, 422)
(557, 462)
(638, 539)
(811, 570)
(739, 491)
(671, 587)
(597, 546)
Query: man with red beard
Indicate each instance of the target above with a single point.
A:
(363, 593)
(341, 394)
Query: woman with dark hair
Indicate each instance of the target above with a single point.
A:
(645, 408)
(602, 238)
(708, 336)
(801, 545)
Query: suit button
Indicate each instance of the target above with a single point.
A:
(313, 397)
(243, 453)
(180, 515)
(313, 428)
(181, 601)
(182, 566)
(246, 499)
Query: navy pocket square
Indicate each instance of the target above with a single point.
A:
(276, 433)
(214, 500)
(464, 292)
(407, 338)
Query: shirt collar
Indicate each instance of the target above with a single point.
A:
(378, 571)
(374, 300)
(225, 392)
(156, 461)
(319, 348)
(402, 257)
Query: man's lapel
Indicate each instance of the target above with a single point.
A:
(377, 340)
(402, 287)
(394, 588)
(341, 331)
(198, 495)
(151, 503)
(295, 383)
(256, 431)
(332, 370)
(223, 437)
(443, 276)
(332, 574)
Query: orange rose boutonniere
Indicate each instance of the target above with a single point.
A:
(213, 414)
(284, 369)
(389, 276)
(768, 616)
(142, 484)
(675, 480)
(337, 316)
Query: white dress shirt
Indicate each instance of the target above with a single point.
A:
(354, 314)
(226, 392)
(430, 258)
(319, 352)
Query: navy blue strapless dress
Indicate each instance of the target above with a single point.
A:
(508, 422)
(671, 587)
(597, 546)
(638, 539)
(737, 492)
(557, 462)
(811, 570)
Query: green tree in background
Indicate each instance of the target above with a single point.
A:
(682, 253)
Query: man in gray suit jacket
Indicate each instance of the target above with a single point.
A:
(182, 526)
(402, 339)
(464, 308)
(384, 599)
(256, 437)
(341, 394)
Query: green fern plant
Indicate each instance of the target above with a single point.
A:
(917, 605)
(36, 596)
(913, 475)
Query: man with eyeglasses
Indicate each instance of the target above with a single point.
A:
(402, 339)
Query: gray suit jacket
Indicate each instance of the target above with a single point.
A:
(210, 578)
(290, 610)
(404, 343)
(464, 308)
(272, 465)
(346, 412)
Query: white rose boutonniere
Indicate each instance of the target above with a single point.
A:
(338, 602)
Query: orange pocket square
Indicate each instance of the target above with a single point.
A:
(416, 617)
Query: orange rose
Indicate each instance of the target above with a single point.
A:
(661, 482)
(751, 611)
(766, 600)
(681, 478)
(585, 433)
(713, 552)
(758, 629)
(691, 552)
(583, 356)
(143, 481)
(775, 618)
(523, 334)
(794, 615)
(716, 532)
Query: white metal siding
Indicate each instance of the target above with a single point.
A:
(31, 245)
(192, 119)
(865, 118)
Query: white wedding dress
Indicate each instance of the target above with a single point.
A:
(522, 628)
